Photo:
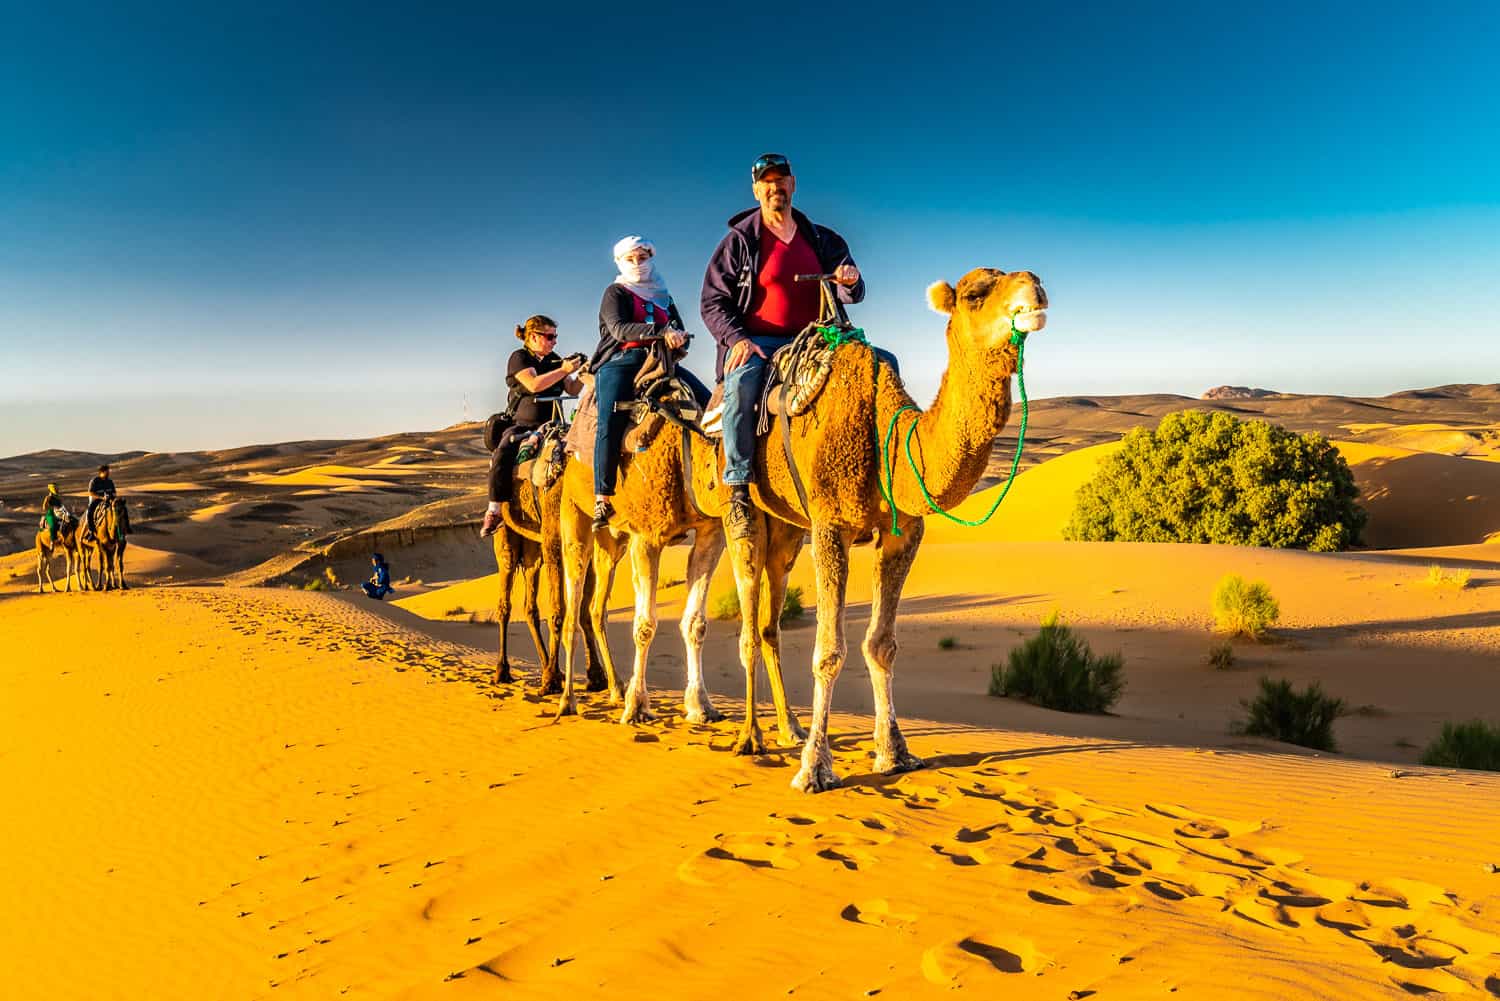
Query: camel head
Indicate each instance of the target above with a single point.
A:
(980, 309)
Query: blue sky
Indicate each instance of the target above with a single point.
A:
(233, 224)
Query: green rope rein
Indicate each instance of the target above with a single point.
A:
(835, 336)
(888, 489)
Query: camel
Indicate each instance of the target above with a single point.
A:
(46, 552)
(837, 446)
(652, 508)
(528, 543)
(111, 521)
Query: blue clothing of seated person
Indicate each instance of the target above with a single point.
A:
(379, 584)
(636, 312)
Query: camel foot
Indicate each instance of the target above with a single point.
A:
(750, 742)
(503, 675)
(792, 732)
(894, 764)
(818, 778)
(552, 683)
(699, 708)
(637, 706)
(616, 695)
(566, 707)
(596, 683)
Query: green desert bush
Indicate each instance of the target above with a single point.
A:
(791, 606)
(1438, 577)
(317, 584)
(1282, 713)
(727, 605)
(1221, 656)
(947, 642)
(1475, 744)
(1057, 670)
(1244, 609)
(1211, 477)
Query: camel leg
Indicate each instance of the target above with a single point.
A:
(598, 681)
(607, 554)
(892, 562)
(645, 561)
(531, 573)
(120, 567)
(505, 563)
(576, 545)
(747, 559)
(551, 571)
(830, 550)
(41, 561)
(783, 543)
(708, 546)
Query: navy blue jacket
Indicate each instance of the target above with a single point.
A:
(729, 282)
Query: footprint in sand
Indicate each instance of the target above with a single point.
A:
(768, 850)
(1201, 825)
(877, 913)
(977, 959)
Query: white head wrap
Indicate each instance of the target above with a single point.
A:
(641, 279)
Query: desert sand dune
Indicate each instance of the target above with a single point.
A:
(325, 804)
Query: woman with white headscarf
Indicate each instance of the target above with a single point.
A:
(636, 312)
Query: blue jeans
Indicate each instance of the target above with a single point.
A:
(742, 389)
(376, 592)
(615, 383)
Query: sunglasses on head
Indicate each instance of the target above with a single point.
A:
(768, 162)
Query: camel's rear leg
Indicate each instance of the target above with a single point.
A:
(576, 545)
(708, 546)
(42, 562)
(598, 680)
(645, 561)
(747, 557)
(783, 543)
(893, 561)
(505, 564)
(607, 553)
(830, 552)
(531, 568)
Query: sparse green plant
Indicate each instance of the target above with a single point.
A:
(791, 606)
(947, 642)
(727, 605)
(1282, 713)
(1244, 609)
(1057, 670)
(1475, 744)
(1211, 477)
(317, 584)
(1438, 577)
(1221, 656)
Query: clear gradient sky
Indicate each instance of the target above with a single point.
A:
(224, 223)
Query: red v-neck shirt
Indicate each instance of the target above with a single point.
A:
(780, 306)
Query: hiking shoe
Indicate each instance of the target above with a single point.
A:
(737, 518)
(603, 511)
(492, 522)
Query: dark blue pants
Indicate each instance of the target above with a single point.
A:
(614, 382)
(376, 592)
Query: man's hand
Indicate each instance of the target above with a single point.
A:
(846, 274)
(740, 353)
(675, 339)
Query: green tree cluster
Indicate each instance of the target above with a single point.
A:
(1210, 477)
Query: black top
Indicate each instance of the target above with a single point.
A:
(530, 409)
(102, 484)
(618, 324)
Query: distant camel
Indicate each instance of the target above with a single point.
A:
(111, 522)
(46, 552)
(529, 543)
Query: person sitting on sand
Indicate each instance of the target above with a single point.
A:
(54, 512)
(636, 311)
(538, 379)
(101, 487)
(379, 584)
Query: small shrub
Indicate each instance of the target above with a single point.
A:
(1055, 669)
(317, 584)
(791, 606)
(727, 606)
(1302, 718)
(947, 643)
(1438, 577)
(456, 610)
(1242, 609)
(1475, 744)
(1221, 656)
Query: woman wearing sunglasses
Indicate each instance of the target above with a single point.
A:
(538, 379)
(637, 311)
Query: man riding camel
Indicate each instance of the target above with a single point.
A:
(752, 306)
(101, 488)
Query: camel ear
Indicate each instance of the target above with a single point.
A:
(941, 297)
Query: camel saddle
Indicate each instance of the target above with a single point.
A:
(796, 373)
(660, 399)
(542, 455)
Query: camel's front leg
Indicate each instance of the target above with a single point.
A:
(505, 557)
(576, 548)
(645, 559)
(41, 561)
(531, 571)
(748, 558)
(551, 572)
(606, 558)
(120, 567)
(830, 550)
(708, 546)
(783, 543)
(892, 562)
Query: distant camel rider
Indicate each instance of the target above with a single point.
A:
(538, 378)
(379, 584)
(752, 306)
(54, 512)
(101, 487)
(636, 312)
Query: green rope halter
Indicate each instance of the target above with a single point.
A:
(888, 489)
(835, 336)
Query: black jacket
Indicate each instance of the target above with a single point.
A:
(729, 282)
(617, 324)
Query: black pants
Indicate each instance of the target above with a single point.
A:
(503, 460)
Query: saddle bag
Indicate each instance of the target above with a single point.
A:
(495, 427)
